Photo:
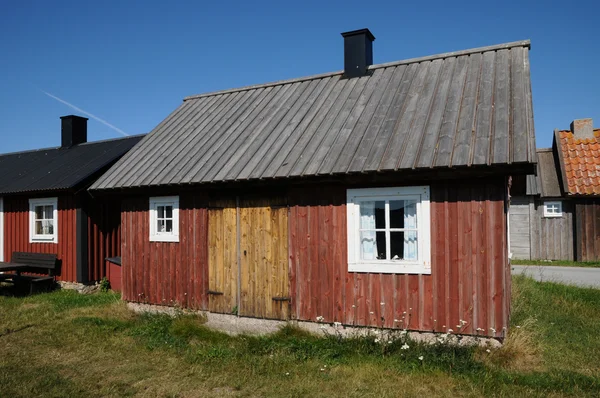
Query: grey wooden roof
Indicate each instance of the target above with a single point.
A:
(464, 108)
(548, 185)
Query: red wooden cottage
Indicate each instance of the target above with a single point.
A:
(45, 206)
(378, 192)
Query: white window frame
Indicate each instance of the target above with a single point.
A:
(423, 263)
(41, 238)
(156, 236)
(557, 203)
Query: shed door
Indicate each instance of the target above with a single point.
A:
(222, 257)
(254, 280)
(264, 259)
(519, 219)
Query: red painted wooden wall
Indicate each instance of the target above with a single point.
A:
(114, 275)
(469, 279)
(163, 272)
(104, 235)
(16, 233)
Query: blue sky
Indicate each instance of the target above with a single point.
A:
(130, 63)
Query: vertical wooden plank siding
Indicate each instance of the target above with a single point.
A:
(520, 227)
(469, 277)
(304, 255)
(587, 229)
(222, 257)
(104, 230)
(551, 237)
(16, 236)
(264, 255)
(165, 273)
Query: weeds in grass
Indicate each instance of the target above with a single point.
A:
(550, 353)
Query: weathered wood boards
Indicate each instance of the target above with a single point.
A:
(536, 237)
(248, 262)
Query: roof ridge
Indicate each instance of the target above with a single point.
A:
(496, 47)
(52, 148)
(111, 139)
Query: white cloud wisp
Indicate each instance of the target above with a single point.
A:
(118, 130)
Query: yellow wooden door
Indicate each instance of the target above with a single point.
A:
(264, 285)
(222, 257)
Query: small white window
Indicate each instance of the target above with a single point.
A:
(43, 220)
(164, 219)
(389, 230)
(553, 209)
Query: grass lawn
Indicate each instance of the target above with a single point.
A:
(63, 344)
(559, 263)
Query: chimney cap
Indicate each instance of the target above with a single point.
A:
(359, 32)
(73, 116)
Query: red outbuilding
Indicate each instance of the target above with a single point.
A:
(378, 194)
(45, 206)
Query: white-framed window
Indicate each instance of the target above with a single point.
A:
(164, 219)
(553, 208)
(389, 230)
(43, 220)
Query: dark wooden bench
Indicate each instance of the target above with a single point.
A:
(42, 264)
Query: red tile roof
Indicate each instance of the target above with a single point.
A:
(580, 160)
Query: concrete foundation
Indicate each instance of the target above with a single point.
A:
(235, 325)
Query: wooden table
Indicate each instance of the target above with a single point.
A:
(18, 268)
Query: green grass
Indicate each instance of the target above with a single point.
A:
(63, 344)
(559, 263)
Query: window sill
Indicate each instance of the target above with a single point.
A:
(165, 238)
(388, 267)
(553, 215)
(42, 240)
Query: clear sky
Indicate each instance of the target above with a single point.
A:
(130, 63)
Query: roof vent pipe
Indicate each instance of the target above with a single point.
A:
(73, 130)
(358, 52)
(582, 128)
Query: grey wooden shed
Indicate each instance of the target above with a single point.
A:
(541, 219)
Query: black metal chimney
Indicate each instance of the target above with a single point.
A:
(358, 52)
(73, 130)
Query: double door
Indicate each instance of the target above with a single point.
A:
(248, 257)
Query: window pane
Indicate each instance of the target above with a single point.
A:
(403, 245)
(160, 226)
(48, 227)
(381, 246)
(169, 211)
(44, 227)
(403, 214)
(372, 214)
(169, 227)
(39, 212)
(372, 245)
(160, 211)
(38, 228)
(48, 212)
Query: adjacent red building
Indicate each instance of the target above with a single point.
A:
(45, 206)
